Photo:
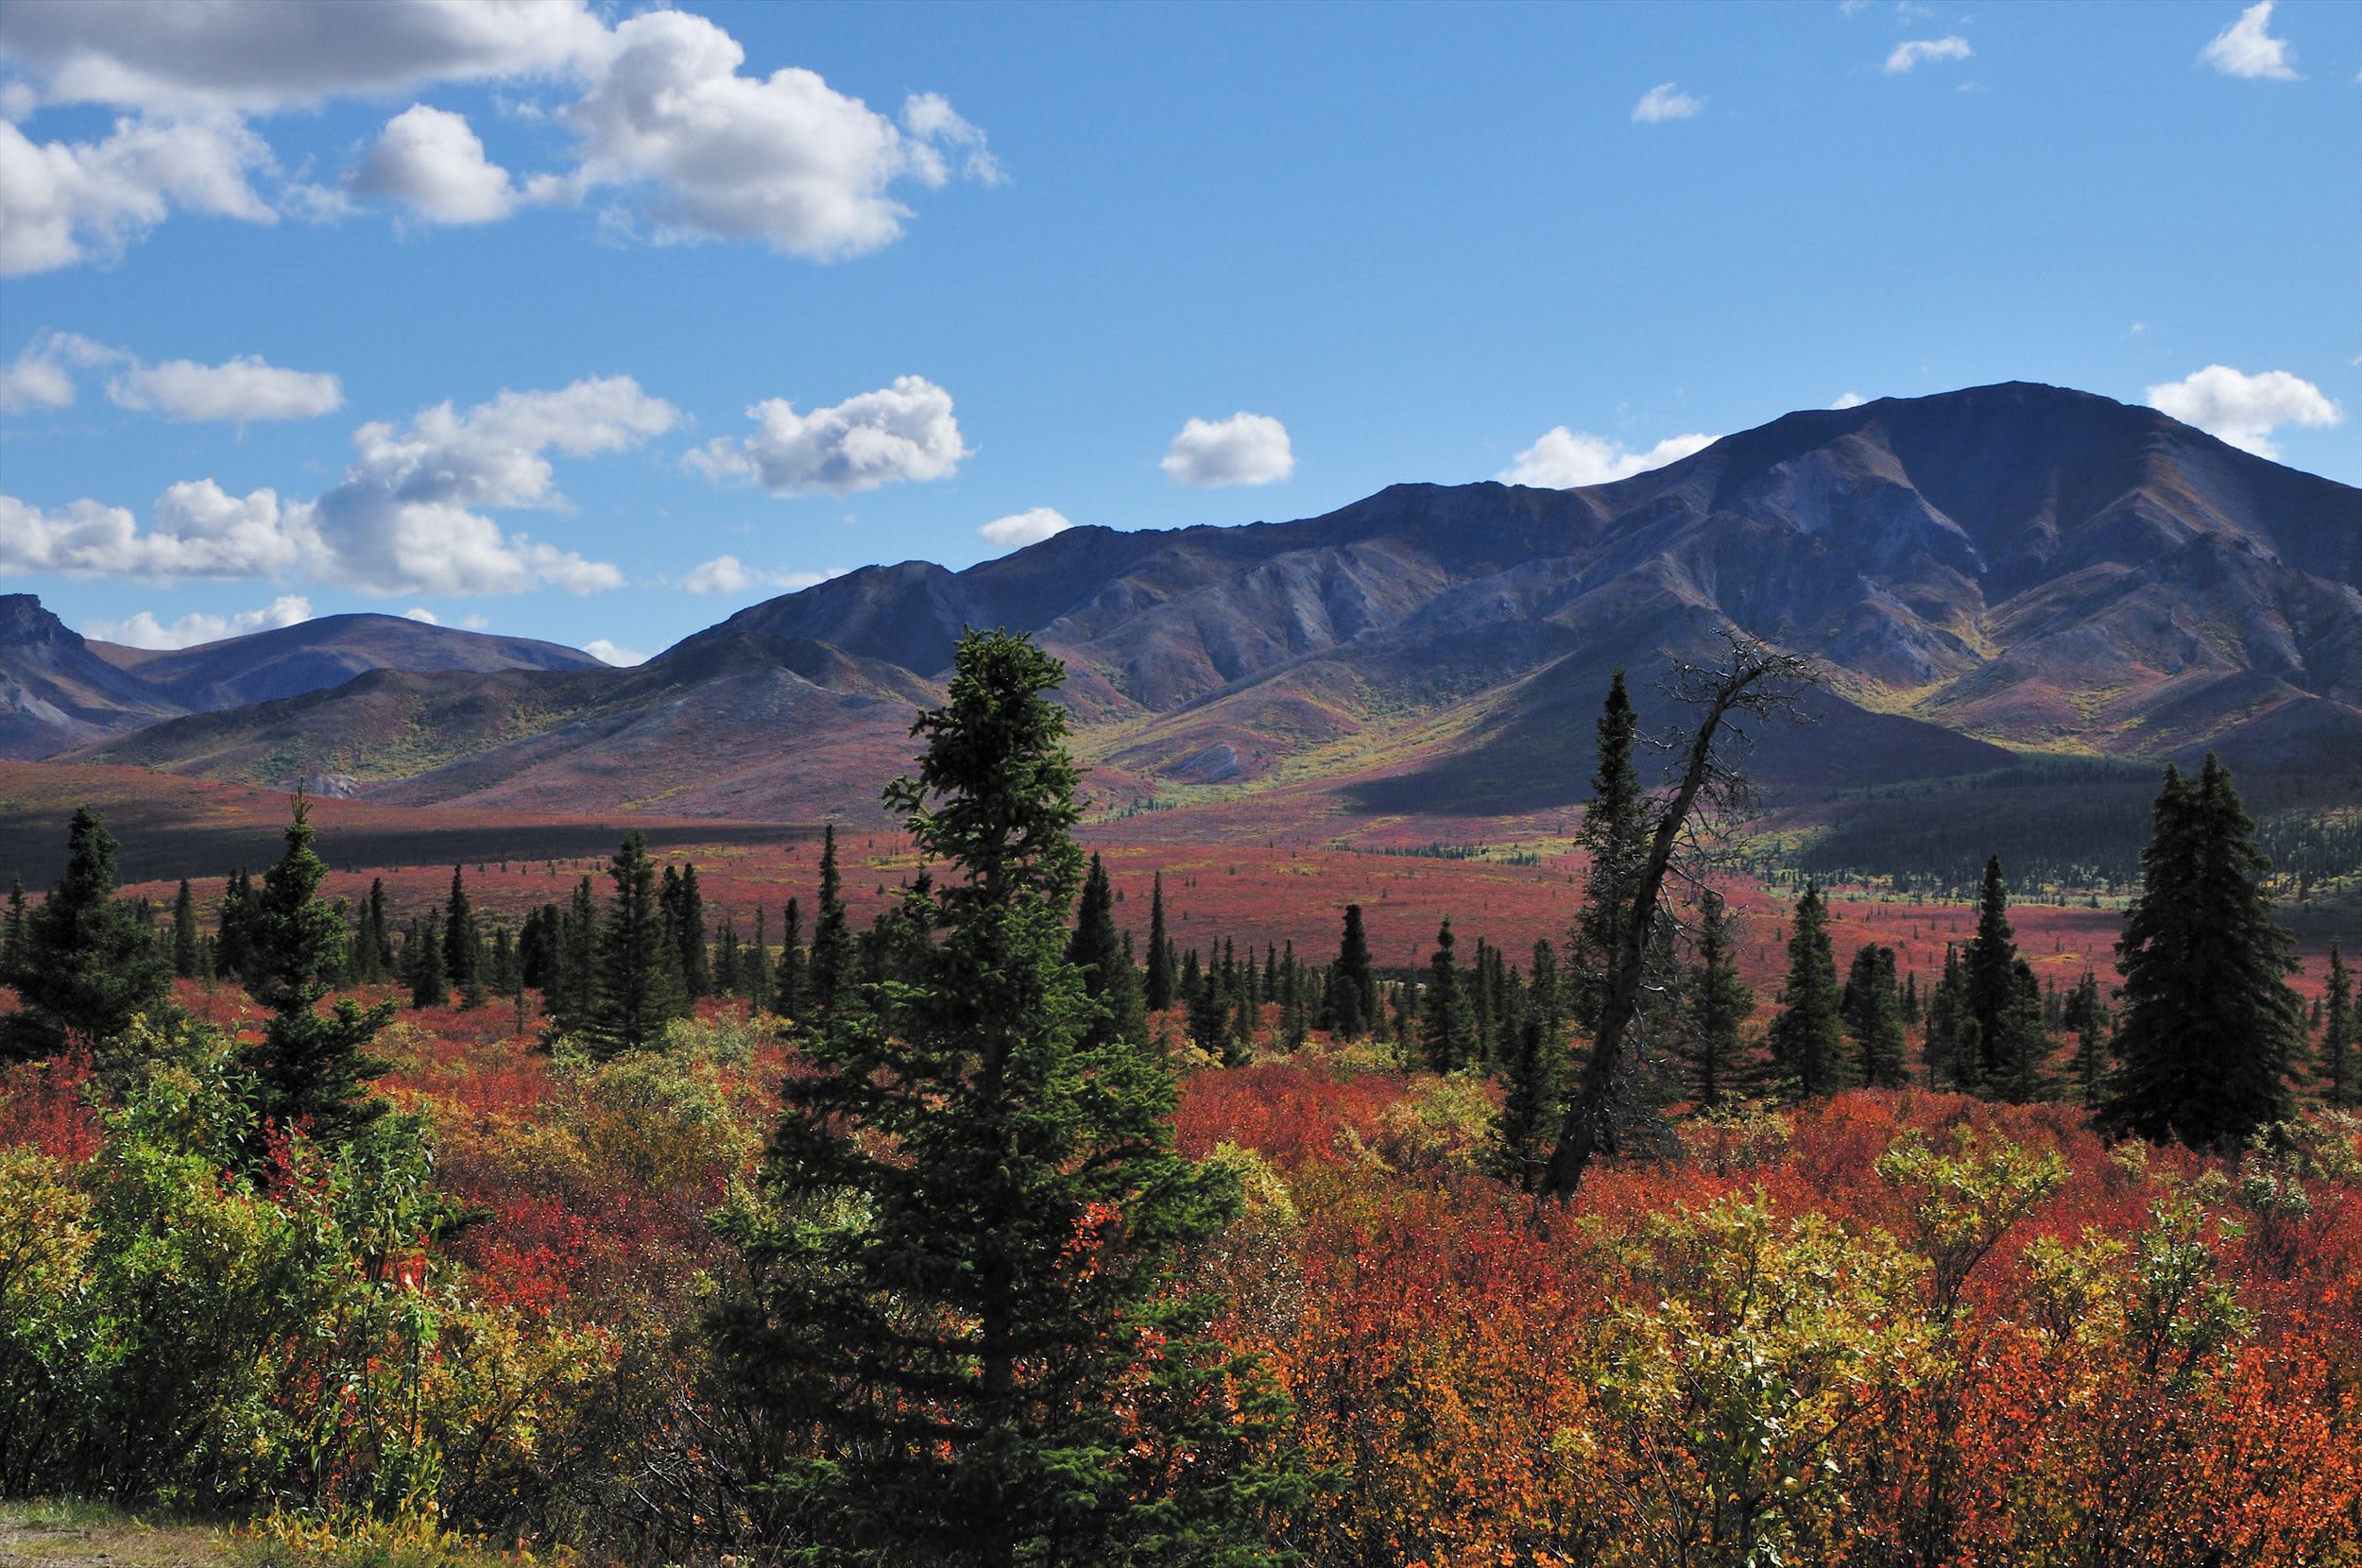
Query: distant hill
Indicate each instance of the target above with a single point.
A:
(2005, 569)
(59, 690)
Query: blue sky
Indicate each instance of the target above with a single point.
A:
(541, 317)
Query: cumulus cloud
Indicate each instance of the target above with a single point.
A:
(431, 162)
(1020, 529)
(407, 517)
(1565, 460)
(902, 432)
(608, 652)
(1918, 51)
(2242, 409)
(145, 631)
(727, 575)
(244, 390)
(64, 202)
(1245, 449)
(423, 615)
(42, 375)
(1849, 400)
(661, 112)
(2246, 47)
(1665, 102)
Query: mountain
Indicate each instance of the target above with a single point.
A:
(59, 690)
(2000, 568)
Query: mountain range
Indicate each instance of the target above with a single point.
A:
(1978, 573)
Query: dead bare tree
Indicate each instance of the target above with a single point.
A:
(1751, 682)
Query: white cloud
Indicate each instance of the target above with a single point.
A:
(727, 575)
(433, 163)
(1665, 102)
(145, 631)
(1245, 449)
(62, 202)
(608, 652)
(2247, 48)
(42, 375)
(423, 615)
(1565, 459)
(660, 110)
(1849, 400)
(784, 158)
(903, 431)
(245, 389)
(1917, 51)
(1020, 529)
(2245, 410)
(407, 517)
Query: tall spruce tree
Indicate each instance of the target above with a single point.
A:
(312, 1069)
(12, 932)
(185, 931)
(2021, 1043)
(1719, 1004)
(1158, 992)
(975, 1326)
(2341, 1075)
(639, 988)
(377, 957)
(1535, 1074)
(2086, 1016)
(1097, 952)
(1988, 973)
(688, 934)
(828, 975)
(1447, 1022)
(1352, 983)
(1872, 1011)
(237, 897)
(1614, 834)
(86, 962)
(423, 963)
(463, 947)
(756, 984)
(788, 990)
(572, 1000)
(1808, 1037)
(2208, 1021)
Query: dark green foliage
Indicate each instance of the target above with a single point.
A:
(462, 947)
(685, 918)
(311, 1067)
(2337, 1051)
(1446, 1023)
(423, 963)
(754, 979)
(1872, 1011)
(1352, 983)
(87, 962)
(2208, 1022)
(790, 992)
(639, 985)
(237, 897)
(571, 1000)
(829, 975)
(1807, 1038)
(1159, 992)
(1719, 1004)
(1534, 1073)
(185, 931)
(1097, 951)
(2022, 1045)
(2086, 1016)
(1947, 1062)
(1615, 834)
(964, 1322)
(1985, 967)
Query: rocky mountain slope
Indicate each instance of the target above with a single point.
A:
(2013, 566)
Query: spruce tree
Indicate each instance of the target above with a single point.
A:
(756, 984)
(1807, 1038)
(790, 992)
(2341, 1075)
(1719, 1004)
(1872, 1011)
(13, 933)
(1614, 834)
(1097, 952)
(1947, 1062)
(185, 931)
(2022, 1045)
(2086, 1016)
(87, 962)
(572, 998)
(1987, 974)
(2208, 1020)
(423, 963)
(312, 1069)
(377, 957)
(1352, 983)
(639, 985)
(462, 947)
(1158, 993)
(1535, 1074)
(1446, 1023)
(237, 897)
(829, 974)
(970, 1311)
(689, 931)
